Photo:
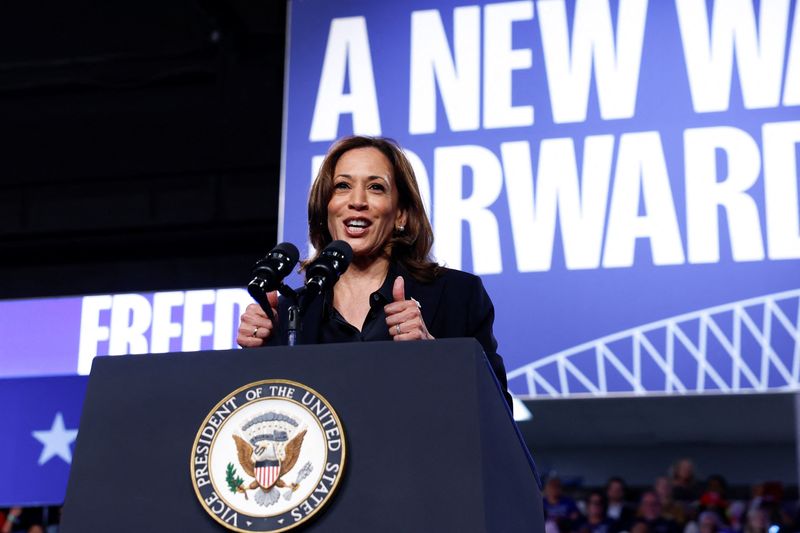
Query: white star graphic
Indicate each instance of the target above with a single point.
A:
(56, 441)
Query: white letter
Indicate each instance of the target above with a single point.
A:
(581, 210)
(791, 93)
(423, 182)
(704, 194)
(709, 58)
(229, 306)
(348, 46)
(431, 62)
(91, 330)
(450, 208)
(616, 63)
(164, 328)
(500, 60)
(194, 327)
(780, 189)
(641, 169)
(130, 319)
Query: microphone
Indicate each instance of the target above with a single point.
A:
(324, 272)
(268, 273)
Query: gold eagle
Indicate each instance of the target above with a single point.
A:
(291, 452)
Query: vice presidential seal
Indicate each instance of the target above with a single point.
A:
(268, 457)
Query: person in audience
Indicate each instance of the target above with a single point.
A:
(709, 522)
(558, 508)
(713, 499)
(670, 509)
(757, 520)
(26, 520)
(618, 509)
(736, 516)
(650, 513)
(12, 520)
(596, 520)
(684, 484)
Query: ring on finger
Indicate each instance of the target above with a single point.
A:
(397, 329)
(255, 332)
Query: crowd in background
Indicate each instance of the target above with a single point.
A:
(675, 503)
(30, 519)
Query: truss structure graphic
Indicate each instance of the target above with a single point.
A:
(747, 346)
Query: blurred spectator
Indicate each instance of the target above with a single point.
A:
(650, 514)
(684, 484)
(768, 500)
(23, 520)
(713, 499)
(757, 520)
(12, 520)
(736, 516)
(618, 509)
(709, 522)
(596, 520)
(670, 509)
(559, 509)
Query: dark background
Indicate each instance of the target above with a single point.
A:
(140, 143)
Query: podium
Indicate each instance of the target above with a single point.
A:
(431, 443)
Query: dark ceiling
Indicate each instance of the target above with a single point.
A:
(139, 143)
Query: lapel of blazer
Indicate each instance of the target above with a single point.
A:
(311, 321)
(427, 294)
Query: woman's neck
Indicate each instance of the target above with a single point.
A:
(366, 271)
(351, 293)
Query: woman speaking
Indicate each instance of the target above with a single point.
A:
(366, 194)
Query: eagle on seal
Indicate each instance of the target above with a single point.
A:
(268, 453)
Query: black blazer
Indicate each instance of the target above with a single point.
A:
(455, 304)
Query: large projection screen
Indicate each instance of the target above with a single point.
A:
(623, 175)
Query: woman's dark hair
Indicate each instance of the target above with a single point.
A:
(411, 247)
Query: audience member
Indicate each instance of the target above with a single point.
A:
(670, 509)
(618, 509)
(684, 484)
(713, 499)
(596, 520)
(736, 515)
(25, 520)
(559, 509)
(709, 522)
(650, 514)
(757, 520)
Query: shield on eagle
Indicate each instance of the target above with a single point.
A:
(267, 473)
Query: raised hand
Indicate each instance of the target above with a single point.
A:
(404, 317)
(255, 328)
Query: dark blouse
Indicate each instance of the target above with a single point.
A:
(334, 327)
(455, 304)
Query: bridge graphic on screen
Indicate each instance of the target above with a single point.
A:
(751, 345)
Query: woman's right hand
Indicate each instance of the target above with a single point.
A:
(255, 328)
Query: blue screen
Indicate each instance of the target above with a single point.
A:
(621, 174)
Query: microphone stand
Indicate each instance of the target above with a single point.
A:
(293, 322)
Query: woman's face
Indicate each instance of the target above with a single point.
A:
(363, 209)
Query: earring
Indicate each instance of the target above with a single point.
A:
(401, 229)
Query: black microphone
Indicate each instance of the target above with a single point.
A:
(268, 273)
(324, 272)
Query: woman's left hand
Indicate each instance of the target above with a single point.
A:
(404, 317)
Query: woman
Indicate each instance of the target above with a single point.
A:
(366, 194)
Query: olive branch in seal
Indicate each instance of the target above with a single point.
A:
(234, 481)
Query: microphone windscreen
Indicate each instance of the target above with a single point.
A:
(290, 251)
(343, 248)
